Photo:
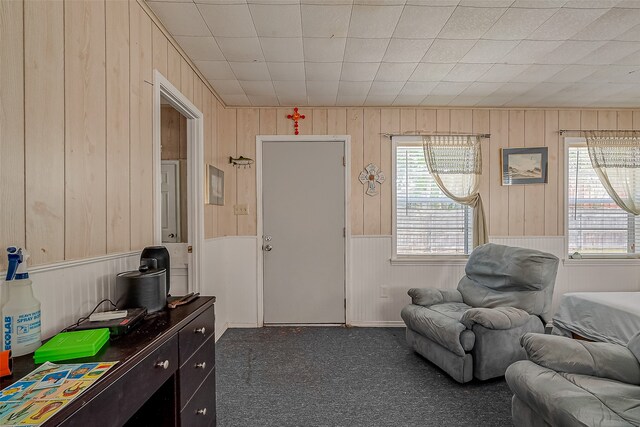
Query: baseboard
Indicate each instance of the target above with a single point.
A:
(231, 325)
(378, 324)
(224, 329)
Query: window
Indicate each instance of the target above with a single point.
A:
(596, 225)
(426, 221)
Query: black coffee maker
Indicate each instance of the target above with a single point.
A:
(157, 257)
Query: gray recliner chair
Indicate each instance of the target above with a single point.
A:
(475, 331)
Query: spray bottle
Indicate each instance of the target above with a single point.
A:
(21, 311)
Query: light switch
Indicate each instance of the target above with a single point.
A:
(241, 209)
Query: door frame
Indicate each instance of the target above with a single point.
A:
(346, 140)
(162, 87)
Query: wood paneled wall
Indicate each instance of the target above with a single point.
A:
(532, 210)
(76, 85)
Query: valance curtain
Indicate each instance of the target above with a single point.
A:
(615, 157)
(455, 162)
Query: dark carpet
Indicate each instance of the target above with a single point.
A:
(323, 376)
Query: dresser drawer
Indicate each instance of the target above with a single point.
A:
(131, 391)
(201, 409)
(196, 369)
(195, 334)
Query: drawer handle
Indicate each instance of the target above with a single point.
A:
(201, 411)
(163, 365)
(201, 365)
(200, 330)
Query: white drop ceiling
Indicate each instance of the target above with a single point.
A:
(494, 53)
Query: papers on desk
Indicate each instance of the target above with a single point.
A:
(46, 390)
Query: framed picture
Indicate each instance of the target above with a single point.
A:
(524, 165)
(215, 186)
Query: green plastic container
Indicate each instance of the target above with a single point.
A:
(72, 345)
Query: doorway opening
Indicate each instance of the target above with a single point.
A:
(303, 231)
(178, 187)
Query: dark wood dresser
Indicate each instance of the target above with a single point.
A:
(165, 375)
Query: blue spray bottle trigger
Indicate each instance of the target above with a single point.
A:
(15, 258)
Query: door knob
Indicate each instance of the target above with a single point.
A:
(267, 238)
(267, 248)
(172, 235)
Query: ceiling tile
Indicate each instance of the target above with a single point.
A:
(328, 2)
(250, 70)
(365, 50)
(590, 4)
(353, 88)
(174, 1)
(565, 23)
(610, 25)
(359, 71)
(286, 70)
(480, 89)
(282, 49)
(448, 51)
(227, 87)
(238, 100)
(433, 3)
(489, 51)
(324, 50)
(323, 70)
(215, 70)
(517, 24)
(181, 19)
(537, 73)
(569, 52)
(293, 100)
(322, 100)
(418, 88)
(374, 21)
(500, 73)
(259, 88)
(380, 2)
(449, 88)
(350, 100)
(240, 49)
(290, 88)
(379, 100)
(573, 73)
(632, 35)
(276, 20)
(228, 20)
(609, 53)
(407, 50)
(394, 72)
(632, 59)
(422, 22)
(430, 72)
(465, 101)
(614, 74)
(325, 21)
(466, 72)
(530, 51)
(408, 100)
(543, 4)
(486, 3)
(200, 48)
(263, 101)
(317, 89)
(217, 1)
(386, 88)
(438, 100)
(628, 4)
(470, 22)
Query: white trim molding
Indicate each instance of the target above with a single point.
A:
(162, 88)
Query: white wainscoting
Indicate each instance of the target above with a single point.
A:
(379, 290)
(230, 273)
(69, 290)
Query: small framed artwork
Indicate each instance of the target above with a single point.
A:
(524, 165)
(215, 186)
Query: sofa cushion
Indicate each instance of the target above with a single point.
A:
(438, 327)
(498, 275)
(495, 318)
(430, 296)
(574, 400)
(455, 310)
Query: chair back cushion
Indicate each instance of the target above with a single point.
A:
(498, 275)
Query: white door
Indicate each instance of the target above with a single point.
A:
(169, 190)
(303, 222)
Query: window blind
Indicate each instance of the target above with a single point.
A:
(596, 225)
(427, 221)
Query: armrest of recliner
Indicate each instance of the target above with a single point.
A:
(430, 296)
(495, 318)
(598, 359)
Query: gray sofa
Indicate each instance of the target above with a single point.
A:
(570, 382)
(475, 331)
